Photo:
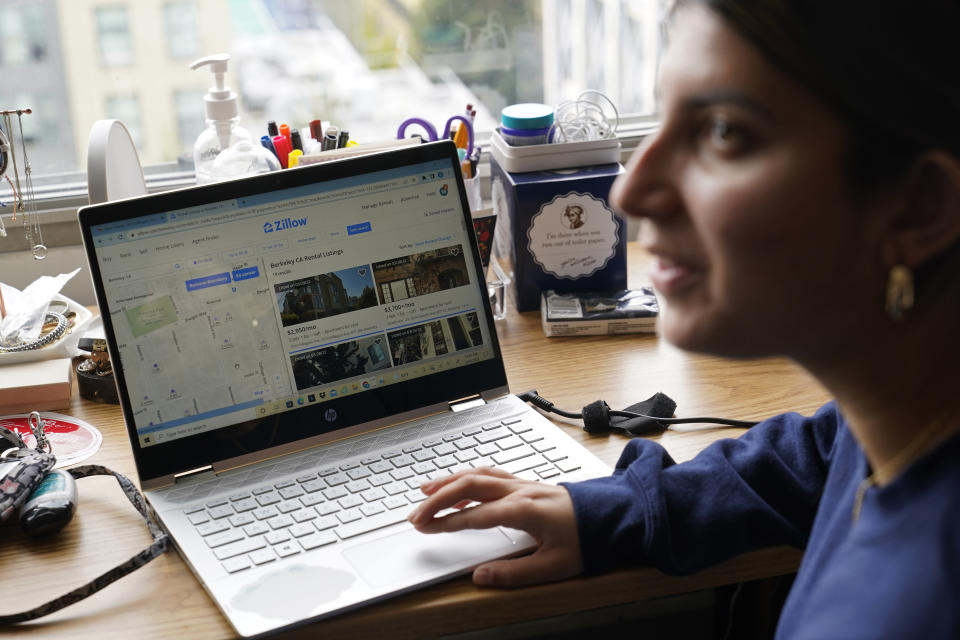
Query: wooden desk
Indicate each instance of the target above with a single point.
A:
(164, 600)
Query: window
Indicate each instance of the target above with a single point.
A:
(398, 290)
(190, 118)
(126, 108)
(365, 65)
(183, 33)
(22, 38)
(113, 33)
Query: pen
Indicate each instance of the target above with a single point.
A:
(474, 161)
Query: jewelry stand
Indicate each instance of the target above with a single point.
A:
(23, 197)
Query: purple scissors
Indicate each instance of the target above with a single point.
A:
(432, 132)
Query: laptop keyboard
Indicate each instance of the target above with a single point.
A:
(310, 511)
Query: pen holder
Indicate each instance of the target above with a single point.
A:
(484, 226)
(472, 187)
(497, 282)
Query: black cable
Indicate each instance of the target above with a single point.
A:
(726, 422)
(597, 416)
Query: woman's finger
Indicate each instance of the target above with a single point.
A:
(469, 487)
(431, 486)
(482, 516)
(545, 565)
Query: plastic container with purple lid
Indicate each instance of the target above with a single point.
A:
(526, 123)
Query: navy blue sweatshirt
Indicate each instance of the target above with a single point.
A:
(892, 573)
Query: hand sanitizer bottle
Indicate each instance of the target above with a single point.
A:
(220, 107)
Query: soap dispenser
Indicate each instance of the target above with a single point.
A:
(220, 107)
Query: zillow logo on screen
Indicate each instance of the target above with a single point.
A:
(283, 224)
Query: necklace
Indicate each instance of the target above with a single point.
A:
(924, 441)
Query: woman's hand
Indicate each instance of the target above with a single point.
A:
(542, 510)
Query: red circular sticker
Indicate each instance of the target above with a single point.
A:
(71, 440)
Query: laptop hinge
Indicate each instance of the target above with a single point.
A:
(467, 403)
(193, 474)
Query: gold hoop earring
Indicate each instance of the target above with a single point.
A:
(899, 292)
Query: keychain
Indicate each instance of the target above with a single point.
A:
(22, 469)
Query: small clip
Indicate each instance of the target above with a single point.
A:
(36, 426)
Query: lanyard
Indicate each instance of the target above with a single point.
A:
(159, 546)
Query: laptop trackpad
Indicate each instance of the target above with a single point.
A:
(409, 553)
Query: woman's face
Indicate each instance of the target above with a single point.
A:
(760, 246)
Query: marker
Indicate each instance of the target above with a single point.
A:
(282, 145)
(343, 138)
(316, 130)
(330, 139)
(285, 132)
(268, 145)
(293, 160)
(272, 129)
(295, 139)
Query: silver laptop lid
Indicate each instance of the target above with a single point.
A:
(255, 316)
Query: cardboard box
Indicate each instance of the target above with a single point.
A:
(556, 231)
(43, 385)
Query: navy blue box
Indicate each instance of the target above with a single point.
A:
(556, 231)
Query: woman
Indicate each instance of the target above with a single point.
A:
(801, 198)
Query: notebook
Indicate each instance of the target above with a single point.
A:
(295, 353)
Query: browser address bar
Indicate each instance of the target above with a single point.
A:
(329, 196)
(279, 206)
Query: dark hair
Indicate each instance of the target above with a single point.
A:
(887, 69)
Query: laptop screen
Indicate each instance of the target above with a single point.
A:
(256, 313)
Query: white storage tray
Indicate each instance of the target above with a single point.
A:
(65, 347)
(542, 157)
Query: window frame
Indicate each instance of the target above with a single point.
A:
(59, 196)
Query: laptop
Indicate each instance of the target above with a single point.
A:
(295, 353)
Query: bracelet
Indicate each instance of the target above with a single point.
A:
(43, 340)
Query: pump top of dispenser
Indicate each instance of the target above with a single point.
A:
(220, 102)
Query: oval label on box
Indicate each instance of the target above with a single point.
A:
(573, 236)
